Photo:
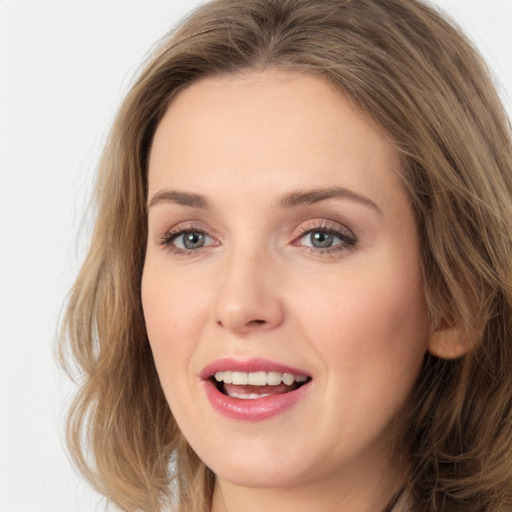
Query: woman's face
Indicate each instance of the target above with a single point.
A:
(282, 252)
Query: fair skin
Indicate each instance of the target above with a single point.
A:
(250, 261)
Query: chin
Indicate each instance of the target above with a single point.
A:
(256, 475)
(254, 463)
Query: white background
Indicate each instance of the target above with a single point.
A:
(64, 66)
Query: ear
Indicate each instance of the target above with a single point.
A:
(447, 343)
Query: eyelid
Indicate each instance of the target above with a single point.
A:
(348, 240)
(167, 238)
(325, 225)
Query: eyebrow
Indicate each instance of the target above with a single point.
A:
(289, 200)
(180, 198)
(299, 197)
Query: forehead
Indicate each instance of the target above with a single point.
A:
(269, 127)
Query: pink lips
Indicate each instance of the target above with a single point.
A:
(256, 409)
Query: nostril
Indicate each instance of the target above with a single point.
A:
(249, 324)
(257, 322)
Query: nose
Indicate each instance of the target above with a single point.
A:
(248, 296)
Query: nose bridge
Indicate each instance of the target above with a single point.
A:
(248, 297)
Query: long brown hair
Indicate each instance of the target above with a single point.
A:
(405, 66)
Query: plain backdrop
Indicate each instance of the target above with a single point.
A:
(64, 67)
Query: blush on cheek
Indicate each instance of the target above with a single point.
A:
(388, 321)
(169, 309)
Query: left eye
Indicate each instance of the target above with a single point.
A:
(190, 240)
(321, 239)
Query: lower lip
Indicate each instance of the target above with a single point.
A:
(253, 410)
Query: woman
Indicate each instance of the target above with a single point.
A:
(298, 290)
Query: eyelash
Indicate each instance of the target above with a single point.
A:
(348, 241)
(173, 234)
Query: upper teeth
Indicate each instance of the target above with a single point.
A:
(258, 378)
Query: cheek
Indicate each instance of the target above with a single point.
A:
(173, 321)
(369, 322)
(174, 314)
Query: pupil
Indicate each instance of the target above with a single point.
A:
(321, 239)
(193, 240)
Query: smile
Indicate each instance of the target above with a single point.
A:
(246, 391)
(254, 385)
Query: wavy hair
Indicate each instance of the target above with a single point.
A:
(415, 74)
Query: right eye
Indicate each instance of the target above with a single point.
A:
(189, 240)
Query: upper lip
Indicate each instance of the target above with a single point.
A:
(248, 366)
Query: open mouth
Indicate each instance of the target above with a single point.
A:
(254, 385)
